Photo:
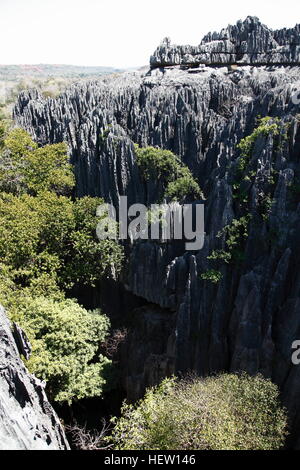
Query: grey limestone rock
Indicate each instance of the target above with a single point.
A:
(247, 42)
(27, 420)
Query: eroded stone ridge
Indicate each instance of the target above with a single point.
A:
(27, 420)
(249, 320)
(248, 42)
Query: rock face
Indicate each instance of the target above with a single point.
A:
(249, 320)
(27, 420)
(154, 358)
(248, 42)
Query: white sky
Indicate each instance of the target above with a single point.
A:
(120, 33)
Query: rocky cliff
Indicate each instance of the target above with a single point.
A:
(247, 42)
(27, 420)
(249, 319)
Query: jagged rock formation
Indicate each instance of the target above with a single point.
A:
(27, 420)
(248, 42)
(249, 319)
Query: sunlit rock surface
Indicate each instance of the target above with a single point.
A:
(247, 42)
(27, 420)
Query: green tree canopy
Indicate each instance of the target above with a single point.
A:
(26, 168)
(226, 412)
(48, 244)
(53, 234)
(166, 167)
(65, 339)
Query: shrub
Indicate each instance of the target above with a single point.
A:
(266, 126)
(90, 259)
(164, 166)
(226, 412)
(220, 255)
(158, 164)
(212, 275)
(182, 188)
(65, 339)
(235, 234)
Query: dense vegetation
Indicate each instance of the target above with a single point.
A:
(165, 167)
(48, 245)
(226, 412)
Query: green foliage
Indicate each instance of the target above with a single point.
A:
(48, 169)
(65, 339)
(226, 412)
(2, 133)
(166, 167)
(19, 144)
(90, 259)
(239, 192)
(235, 234)
(54, 235)
(184, 187)
(266, 206)
(266, 126)
(26, 168)
(220, 255)
(212, 275)
(48, 244)
(155, 163)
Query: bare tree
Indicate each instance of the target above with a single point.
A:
(84, 439)
(112, 343)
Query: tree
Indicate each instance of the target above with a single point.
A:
(158, 163)
(48, 169)
(166, 167)
(225, 412)
(26, 168)
(55, 236)
(90, 259)
(183, 188)
(48, 244)
(65, 339)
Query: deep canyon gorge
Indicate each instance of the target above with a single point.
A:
(199, 102)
